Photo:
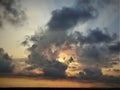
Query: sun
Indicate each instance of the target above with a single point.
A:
(67, 56)
(70, 58)
(62, 57)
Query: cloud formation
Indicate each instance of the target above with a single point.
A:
(5, 62)
(94, 50)
(90, 74)
(97, 48)
(68, 17)
(11, 11)
(95, 36)
(55, 69)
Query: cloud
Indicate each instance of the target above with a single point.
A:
(5, 62)
(11, 11)
(82, 11)
(26, 41)
(68, 17)
(90, 74)
(50, 68)
(55, 69)
(115, 48)
(116, 70)
(95, 36)
(95, 74)
(95, 50)
(98, 48)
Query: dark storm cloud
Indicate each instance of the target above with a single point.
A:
(97, 55)
(91, 73)
(10, 11)
(95, 36)
(66, 18)
(98, 48)
(95, 74)
(115, 48)
(82, 11)
(110, 79)
(5, 62)
(55, 69)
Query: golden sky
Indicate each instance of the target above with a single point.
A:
(31, 82)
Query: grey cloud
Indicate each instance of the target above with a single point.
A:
(50, 68)
(110, 79)
(55, 69)
(5, 62)
(115, 48)
(90, 74)
(26, 41)
(11, 12)
(94, 49)
(96, 75)
(98, 48)
(82, 11)
(46, 39)
(97, 56)
(42, 43)
(66, 18)
(95, 36)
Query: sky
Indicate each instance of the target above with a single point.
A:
(61, 38)
(37, 18)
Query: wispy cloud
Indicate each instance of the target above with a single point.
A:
(11, 12)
